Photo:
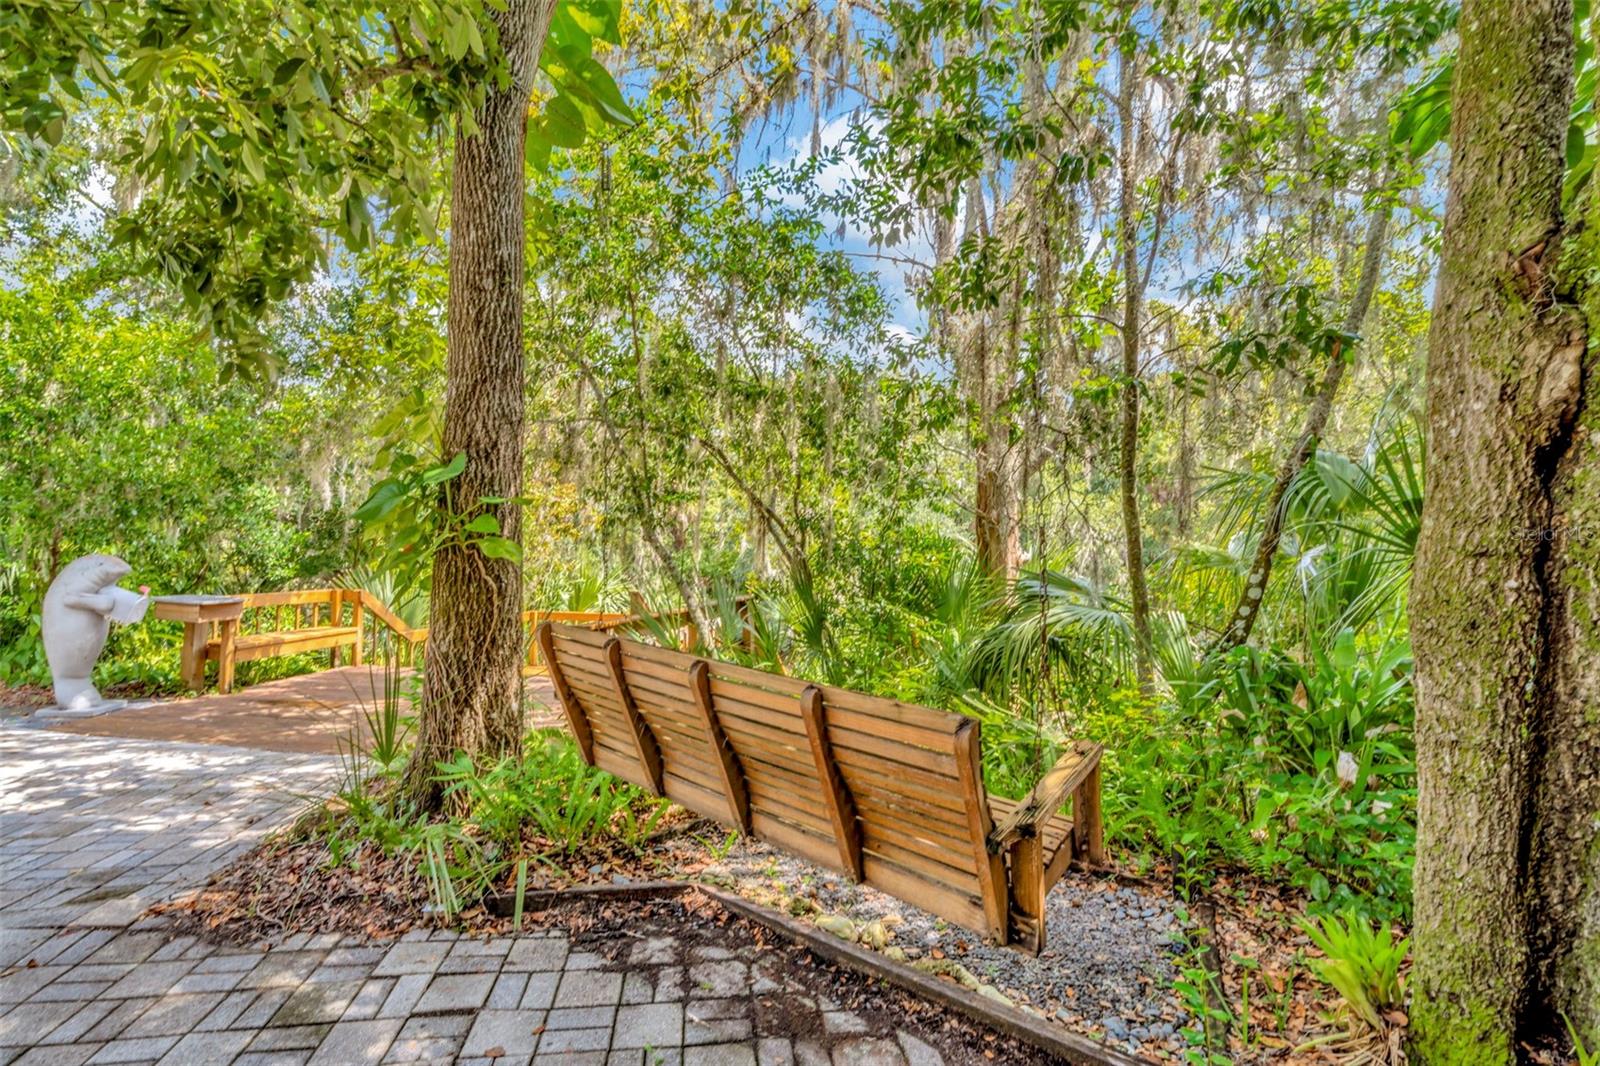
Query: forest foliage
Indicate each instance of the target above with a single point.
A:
(840, 320)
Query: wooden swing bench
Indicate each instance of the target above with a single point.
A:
(889, 793)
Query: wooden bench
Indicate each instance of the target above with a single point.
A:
(288, 623)
(889, 793)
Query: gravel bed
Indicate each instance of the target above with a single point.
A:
(1106, 970)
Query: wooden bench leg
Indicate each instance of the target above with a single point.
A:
(1027, 893)
(193, 661)
(230, 631)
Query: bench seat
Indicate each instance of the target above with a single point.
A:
(248, 646)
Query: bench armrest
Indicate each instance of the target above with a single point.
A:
(1048, 795)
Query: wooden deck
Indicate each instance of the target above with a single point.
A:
(312, 713)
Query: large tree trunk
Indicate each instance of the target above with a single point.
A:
(472, 697)
(1254, 592)
(1506, 598)
(1132, 299)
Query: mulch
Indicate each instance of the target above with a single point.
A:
(293, 883)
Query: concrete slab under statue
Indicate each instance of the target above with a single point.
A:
(79, 607)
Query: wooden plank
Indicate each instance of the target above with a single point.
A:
(706, 802)
(580, 635)
(835, 796)
(727, 761)
(623, 767)
(890, 729)
(582, 653)
(670, 661)
(1050, 793)
(1060, 859)
(931, 822)
(192, 659)
(940, 849)
(991, 866)
(774, 779)
(357, 655)
(915, 856)
(762, 679)
(910, 714)
(577, 720)
(818, 849)
(293, 598)
(289, 642)
(917, 786)
(936, 899)
(788, 805)
(677, 701)
(795, 760)
(644, 740)
(937, 762)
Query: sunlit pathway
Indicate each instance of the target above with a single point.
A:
(93, 830)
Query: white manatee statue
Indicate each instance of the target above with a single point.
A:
(78, 610)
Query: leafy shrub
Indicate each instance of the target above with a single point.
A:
(1362, 964)
(551, 793)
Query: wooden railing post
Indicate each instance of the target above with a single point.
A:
(726, 760)
(991, 866)
(644, 741)
(569, 703)
(335, 618)
(356, 655)
(835, 794)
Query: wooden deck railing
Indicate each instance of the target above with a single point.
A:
(261, 625)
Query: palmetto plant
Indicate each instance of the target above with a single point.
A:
(1058, 621)
(1362, 964)
(1350, 532)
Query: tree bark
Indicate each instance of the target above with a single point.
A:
(1132, 300)
(1243, 619)
(472, 695)
(1505, 605)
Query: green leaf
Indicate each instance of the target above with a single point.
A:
(385, 497)
(499, 548)
(601, 19)
(287, 70)
(484, 523)
(434, 475)
(562, 124)
(601, 87)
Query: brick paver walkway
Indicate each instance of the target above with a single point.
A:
(92, 831)
(314, 714)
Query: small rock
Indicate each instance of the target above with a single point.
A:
(1115, 1027)
(991, 992)
(838, 925)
